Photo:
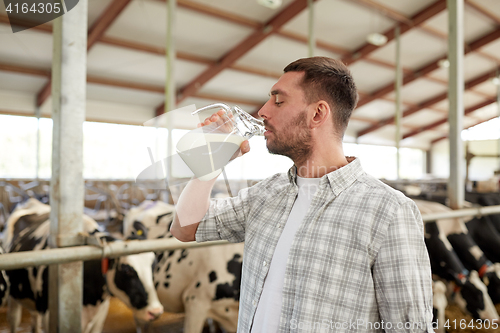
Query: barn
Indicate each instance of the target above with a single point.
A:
(107, 113)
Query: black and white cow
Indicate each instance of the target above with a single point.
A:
(129, 277)
(491, 199)
(203, 283)
(468, 251)
(469, 291)
(486, 229)
(485, 234)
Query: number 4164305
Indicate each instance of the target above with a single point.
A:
(35, 8)
(463, 324)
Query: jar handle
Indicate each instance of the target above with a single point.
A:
(212, 106)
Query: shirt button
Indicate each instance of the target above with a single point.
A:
(278, 225)
(254, 303)
(264, 263)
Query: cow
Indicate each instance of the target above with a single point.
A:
(485, 230)
(129, 278)
(439, 304)
(468, 290)
(467, 250)
(4, 286)
(491, 199)
(485, 234)
(201, 282)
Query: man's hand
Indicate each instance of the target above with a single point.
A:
(223, 121)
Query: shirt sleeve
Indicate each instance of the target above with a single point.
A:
(402, 274)
(225, 219)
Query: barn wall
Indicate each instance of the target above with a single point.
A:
(480, 168)
(483, 168)
(17, 102)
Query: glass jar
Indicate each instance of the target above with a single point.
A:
(207, 149)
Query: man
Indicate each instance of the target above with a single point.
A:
(328, 248)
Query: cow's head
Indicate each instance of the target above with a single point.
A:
(130, 278)
(151, 218)
(472, 298)
(492, 280)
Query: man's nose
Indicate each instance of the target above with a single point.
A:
(263, 111)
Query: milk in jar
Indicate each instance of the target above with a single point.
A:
(207, 153)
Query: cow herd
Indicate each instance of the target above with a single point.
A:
(464, 253)
(201, 282)
(204, 282)
(129, 278)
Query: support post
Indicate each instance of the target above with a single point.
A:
(498, 113)
(170, 89)
(311, 36)
(428, 161)
(456, 107)
(398, 85)
(37, 115)
(67, 187)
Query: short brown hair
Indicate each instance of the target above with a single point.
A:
(329, 80)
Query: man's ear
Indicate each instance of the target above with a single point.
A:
(321, 114)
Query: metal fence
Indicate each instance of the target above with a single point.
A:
(115, 249)
(17, 260)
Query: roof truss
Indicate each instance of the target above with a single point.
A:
(96, 34)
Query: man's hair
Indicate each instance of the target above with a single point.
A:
(329, 80)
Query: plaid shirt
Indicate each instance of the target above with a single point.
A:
(358, 262)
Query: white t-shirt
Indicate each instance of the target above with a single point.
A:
(267, 315)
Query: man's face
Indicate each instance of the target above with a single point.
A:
(285, 117)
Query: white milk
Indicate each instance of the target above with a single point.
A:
(207, 153)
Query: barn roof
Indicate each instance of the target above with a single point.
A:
(234, 50)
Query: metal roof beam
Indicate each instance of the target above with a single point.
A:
(410, 77)
(124, 84)
(486, 39)
(106, 19)
(445, 120)
(227, 16)
(383, 10)
(198, 59)
(427, 104)
(243, 47)
(483, 11)
(470, 110)
(25, 24)
(273, 25)
(206, 61)
(150, 88)
(398, 17)
(24, 70)
(416, 20)
(95, 32)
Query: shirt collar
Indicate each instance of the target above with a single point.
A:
(339, 179)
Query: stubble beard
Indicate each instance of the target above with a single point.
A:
(294, 141)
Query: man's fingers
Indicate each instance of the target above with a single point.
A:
(213, 118)
(220, 118)
(245, 147)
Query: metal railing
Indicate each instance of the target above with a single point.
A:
(468, 212)
(17, 260)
